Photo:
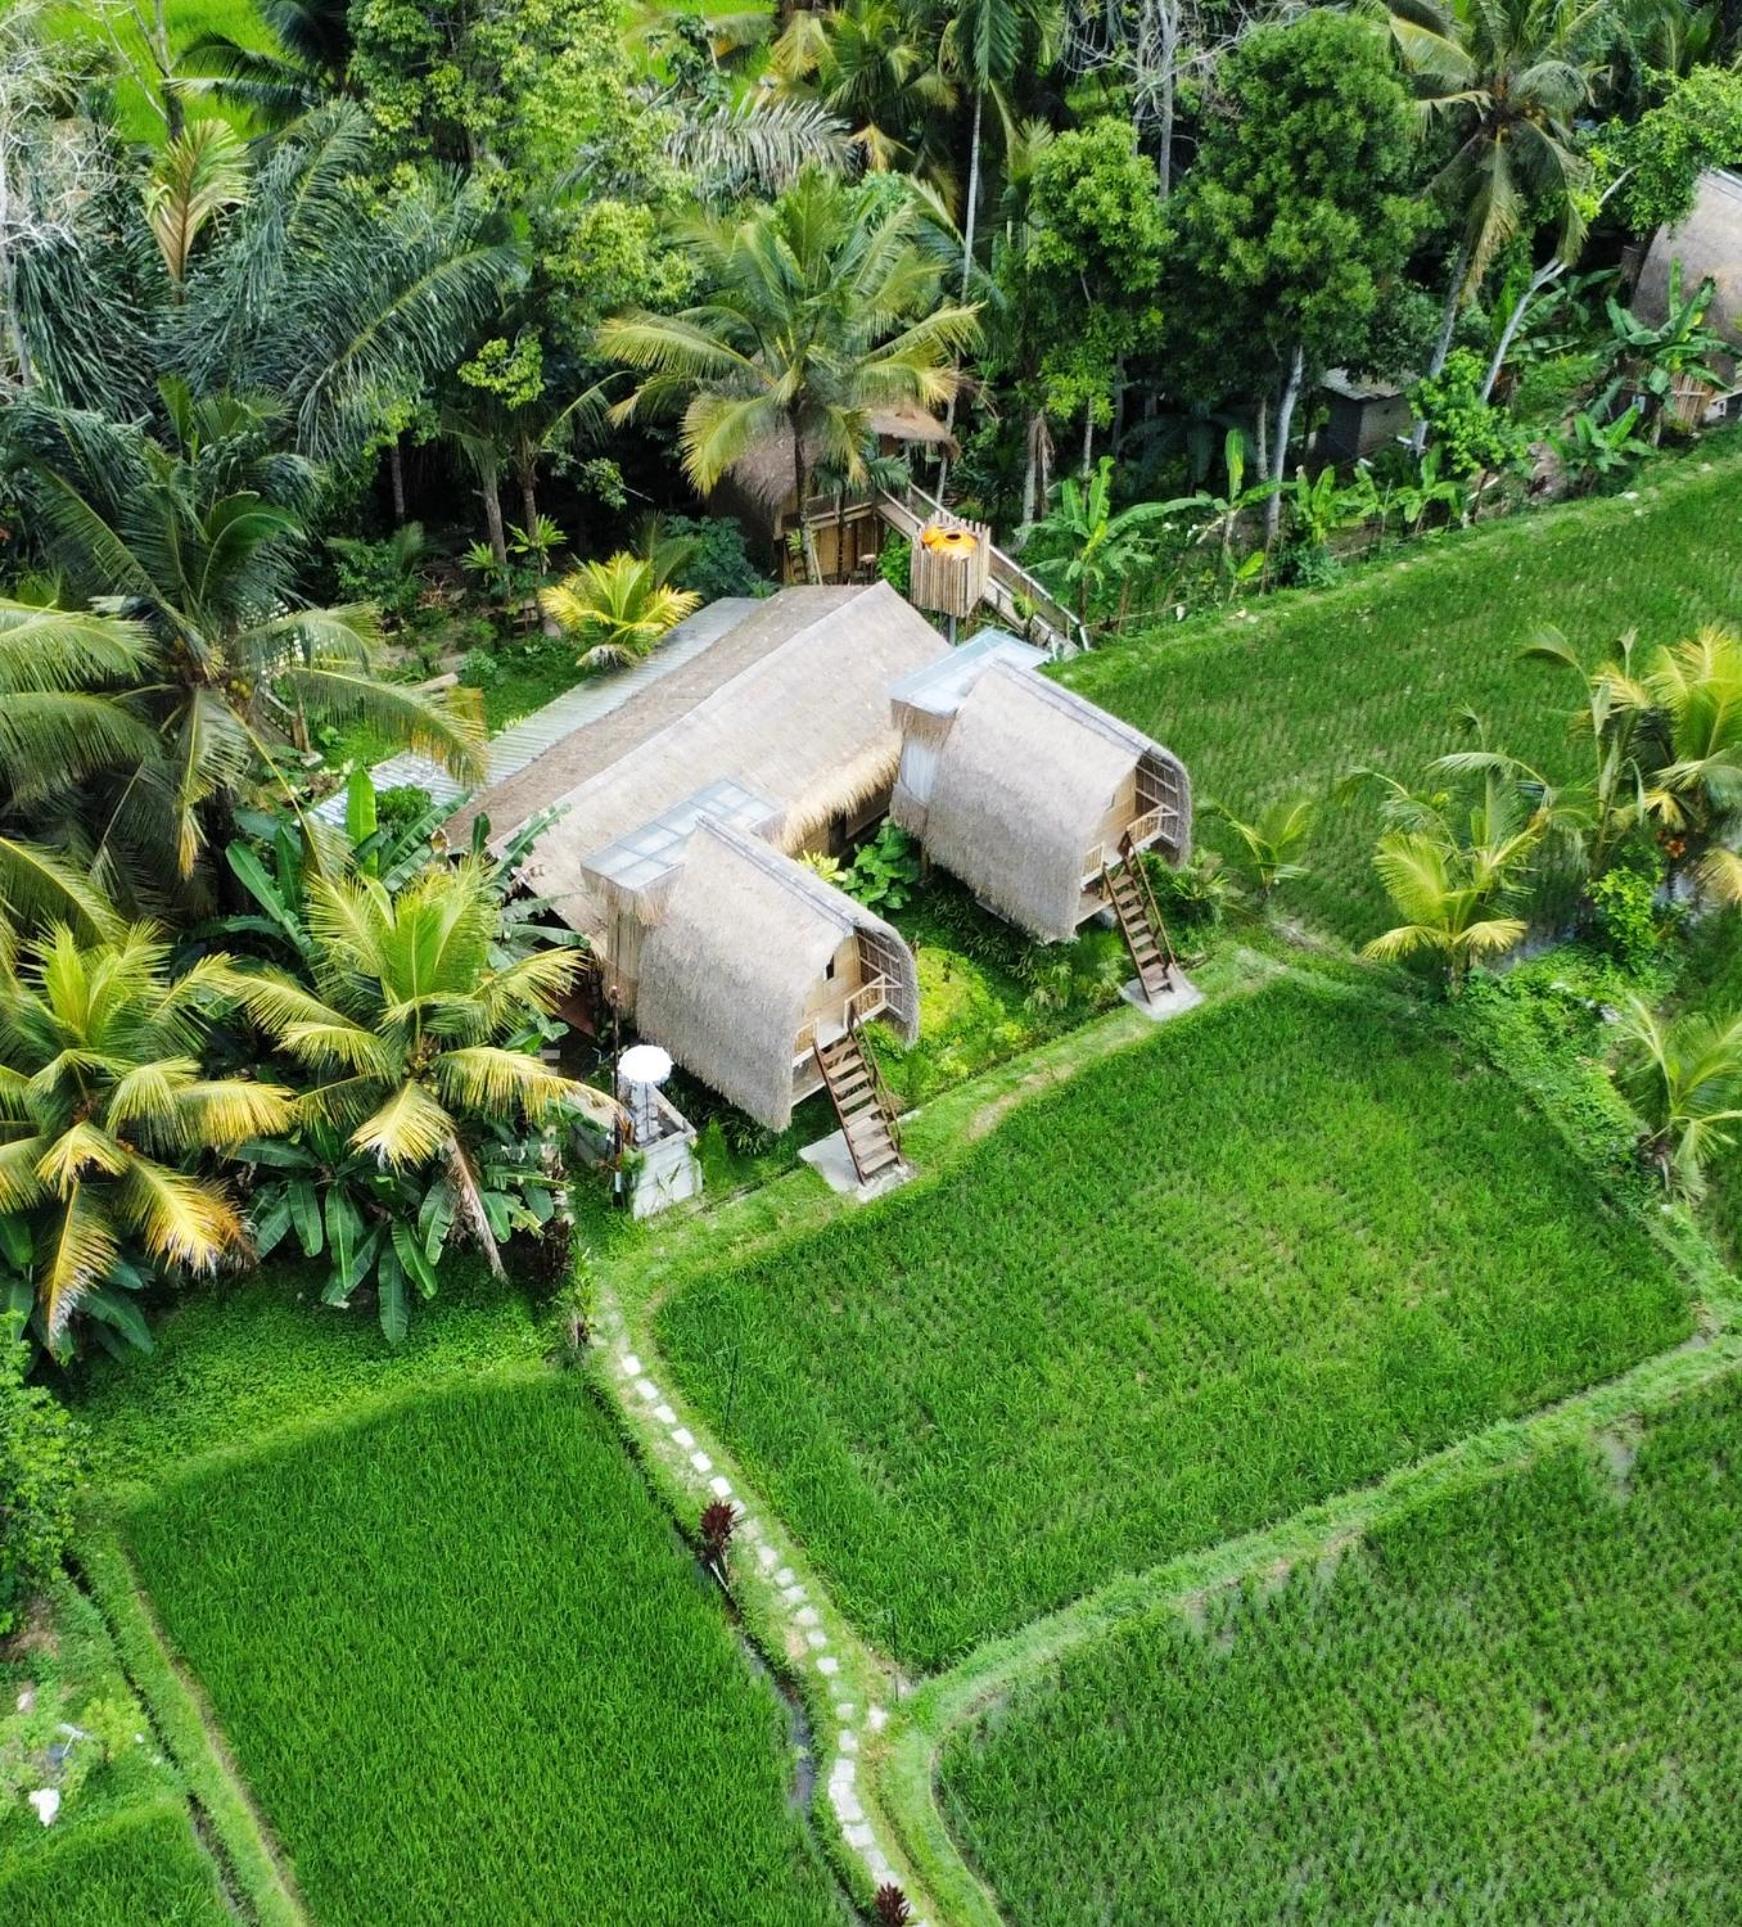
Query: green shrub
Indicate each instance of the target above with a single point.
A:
(38, 1477)
(717, 563)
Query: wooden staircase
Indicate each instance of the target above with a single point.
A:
(861, 1103)
(1145, 934)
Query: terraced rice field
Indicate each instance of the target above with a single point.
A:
(471, 1675)
(141, 1868)
(1521, 1703)
(1287, 698)
(1280, 1247)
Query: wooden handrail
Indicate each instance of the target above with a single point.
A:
(877, 1085)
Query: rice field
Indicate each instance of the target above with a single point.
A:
(1285, 1245)
(471, 1675)
(1289, 696)
(140, 1868)
(1521, 1703)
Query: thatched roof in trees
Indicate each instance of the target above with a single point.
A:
(1024, 781)
(806, 723)
(728, 970)
(765, 473)
(1708, 242)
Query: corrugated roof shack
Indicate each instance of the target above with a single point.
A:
(1027, 792)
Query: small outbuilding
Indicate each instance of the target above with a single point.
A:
(1365, 415)
(742, 962)
(1027, 792)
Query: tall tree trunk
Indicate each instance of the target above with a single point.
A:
(173, 118)
(1119, 392)
(1549, 271)
(396, 480)
(973, 193)
(1448, 321)
(800, 488)
(529, 497)
(1088, 441)
(1279, 456)
(1031, 465)
(1164, 158)
(490, 488)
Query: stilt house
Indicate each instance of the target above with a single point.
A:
(1034, 797)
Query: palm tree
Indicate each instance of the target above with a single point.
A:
(986, 40)
(198, 175)
(408, 1027)
(1509, 77)
(616, 610)
(1266, 849)
(1454, 872)
(871, 64)
(103, 1105)
(818, 310)
(59, 727)
(1684, 1078)
(197, 544)
(306, 65)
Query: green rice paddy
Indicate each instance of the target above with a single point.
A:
(140, 1868)
(471, 1675)
(1286, 698)
(1519, 1704)
(1287, 1244)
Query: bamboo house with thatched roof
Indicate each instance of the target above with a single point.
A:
(1025, 791)
(744, 964)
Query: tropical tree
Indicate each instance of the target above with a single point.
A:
(1086, 549)
(1508, 78)
(198, 175)
(1265, 850)
(616, 610)
(197, 542)
(1684, 1079)
(989, 42)
(1455, 869)
(818, 310)
(59, 726)
(304, 66)
(414, 1035)
(103, 1109)
(873, 65)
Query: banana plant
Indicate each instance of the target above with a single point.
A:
(1594, 451)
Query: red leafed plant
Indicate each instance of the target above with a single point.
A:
(891, 1906)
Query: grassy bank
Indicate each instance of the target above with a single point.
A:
(1210, 1280)
(1518, 1703)
(469, 1672)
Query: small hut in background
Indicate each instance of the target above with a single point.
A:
(1708, 244)
(1025, 791)
(761, 493)
(1366, 415)
(745, 965)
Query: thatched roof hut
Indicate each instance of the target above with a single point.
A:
(764, 477)
(743, 961)
(804, 722)
(1707, 243)
(1026, 791)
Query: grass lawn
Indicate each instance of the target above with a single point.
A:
(1290, 696)
(471, 1675)
(1288, 1244)
(1520, 1704)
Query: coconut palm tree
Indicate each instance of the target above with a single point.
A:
(408, 1027)
(1508, 77)
(59, 726)
(818, 310)
(986, 41)
(1454, 870)
(197, 543)
(873, 65)
(103, 1107)
(306, 64)
(616, 610)
(1684, 1078)
(1266, 848)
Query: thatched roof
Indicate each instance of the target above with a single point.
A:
(806, 723)
(1023, 784)
(1708, 242)
(765, 474)
(729, 969)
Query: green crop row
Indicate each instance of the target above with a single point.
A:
(471, 1674)
(1520, 1703)
(1287, 698)
(1264, 1255)
(141, 1867)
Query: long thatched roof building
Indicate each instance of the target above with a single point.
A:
(1708, 243)
(751, 958)
(1026, 791)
